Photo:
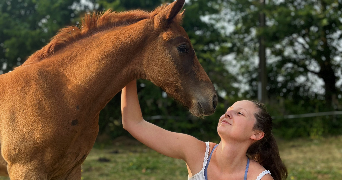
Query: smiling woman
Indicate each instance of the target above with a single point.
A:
(241, 115)
(247, 149)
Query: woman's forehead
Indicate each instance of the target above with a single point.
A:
(244, 104)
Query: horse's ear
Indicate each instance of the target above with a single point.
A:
(174, 9)
(182, 13)
(165, 16)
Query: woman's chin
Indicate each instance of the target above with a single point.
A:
(221, 128)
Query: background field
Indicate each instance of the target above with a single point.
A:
(306, 159)
(127, 159)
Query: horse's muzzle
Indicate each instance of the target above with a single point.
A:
(204, 106)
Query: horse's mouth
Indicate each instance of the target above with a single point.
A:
(199, 110)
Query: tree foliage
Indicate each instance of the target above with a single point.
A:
(303, 50)
(27, 25)
(302, 39)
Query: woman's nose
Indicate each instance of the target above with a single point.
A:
(228, 114)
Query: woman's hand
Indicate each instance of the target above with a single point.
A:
(130, 108)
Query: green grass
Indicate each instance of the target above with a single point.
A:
(313, 159)
(306, 159)
(135, 162)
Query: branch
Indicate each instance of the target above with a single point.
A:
(293, 61)
(296, 39)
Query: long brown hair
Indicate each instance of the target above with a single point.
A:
(265, 151)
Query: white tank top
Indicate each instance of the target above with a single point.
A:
(200, 175)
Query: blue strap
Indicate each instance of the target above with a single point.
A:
(246, 171)
(206, 166)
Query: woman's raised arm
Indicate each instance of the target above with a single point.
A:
(176, 145)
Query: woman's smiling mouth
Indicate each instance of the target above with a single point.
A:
(223, 121)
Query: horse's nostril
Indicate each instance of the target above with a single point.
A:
(215, 101)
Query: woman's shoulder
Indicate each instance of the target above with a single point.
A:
(199, 148)
(194, 159)
(199, 158)
(256, 170)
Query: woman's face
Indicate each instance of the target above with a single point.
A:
(238, 121)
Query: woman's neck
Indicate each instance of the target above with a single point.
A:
(230, 157)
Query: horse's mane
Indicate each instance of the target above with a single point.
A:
(91, 23)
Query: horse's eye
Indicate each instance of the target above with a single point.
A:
(183, 48)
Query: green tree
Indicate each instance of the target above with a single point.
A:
(302, 38)
(27, 25)
(303, 48)
(119, 5)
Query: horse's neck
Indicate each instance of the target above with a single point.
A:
(100, 66)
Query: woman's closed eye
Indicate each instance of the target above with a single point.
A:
(240, 113)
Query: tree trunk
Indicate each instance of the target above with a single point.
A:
(262, 91)
(329, 78)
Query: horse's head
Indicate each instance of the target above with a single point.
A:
(170, 62)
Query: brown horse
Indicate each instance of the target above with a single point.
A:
(49, 106)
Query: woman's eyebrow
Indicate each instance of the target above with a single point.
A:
(242, 109)
(238, 108)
